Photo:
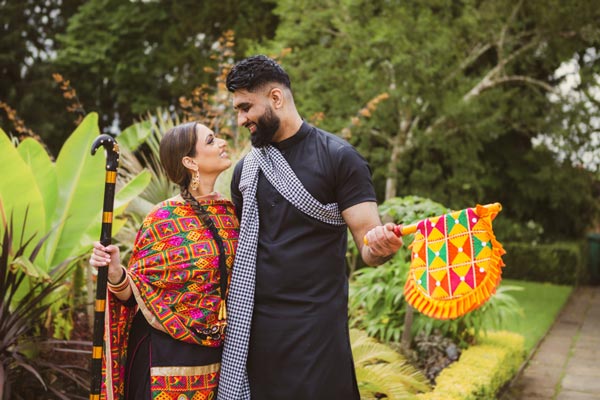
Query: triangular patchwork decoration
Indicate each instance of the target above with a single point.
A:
(456, 262)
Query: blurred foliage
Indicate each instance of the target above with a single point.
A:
(28, 31)
(467, 85)
(376, 300)
(382, 372)
(124, 58)
(30, 360)
(559, 262)
(443, 98)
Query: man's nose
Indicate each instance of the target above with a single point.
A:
(241, 118)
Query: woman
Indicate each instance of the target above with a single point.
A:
(166, 315)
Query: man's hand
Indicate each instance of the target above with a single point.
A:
(364, 223)
(382, 242)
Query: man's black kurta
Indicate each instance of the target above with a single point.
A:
(299, 344)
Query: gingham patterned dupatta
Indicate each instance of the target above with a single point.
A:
(233, 383)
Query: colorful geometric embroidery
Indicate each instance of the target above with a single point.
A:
(175, 271)
(202, 386)
(455, 262)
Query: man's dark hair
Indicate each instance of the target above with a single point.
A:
(254, 72)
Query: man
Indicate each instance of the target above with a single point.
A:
(296, 193)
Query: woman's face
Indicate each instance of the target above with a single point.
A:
(212, 156)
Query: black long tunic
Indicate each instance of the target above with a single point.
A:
(299, 344)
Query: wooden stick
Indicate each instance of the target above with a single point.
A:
(112, 161)
(402, 230)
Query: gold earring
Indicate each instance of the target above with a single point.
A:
(195, 181)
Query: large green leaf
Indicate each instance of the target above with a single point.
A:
(44, 172)
(127, 193)
(133, 136)
(19, 192)
(80, 178)
(131, 190)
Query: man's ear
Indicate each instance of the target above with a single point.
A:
(276, 97)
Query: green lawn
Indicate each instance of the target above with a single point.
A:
(541, 303)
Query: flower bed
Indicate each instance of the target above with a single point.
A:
(482, 370)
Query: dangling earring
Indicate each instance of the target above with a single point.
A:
(195, 181)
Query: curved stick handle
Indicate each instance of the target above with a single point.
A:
(112, 150)
(112, 162)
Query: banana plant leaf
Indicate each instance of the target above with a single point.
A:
(19, 192)
(44, 173)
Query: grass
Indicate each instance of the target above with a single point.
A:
(541, 303)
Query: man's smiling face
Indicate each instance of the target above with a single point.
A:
(255, 112)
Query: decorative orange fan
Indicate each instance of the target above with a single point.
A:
(456, 262)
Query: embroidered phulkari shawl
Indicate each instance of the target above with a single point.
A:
(174, 273)
(456, 262)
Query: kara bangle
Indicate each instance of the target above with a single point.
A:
(118, 289)
(121, 285)
(117, 292)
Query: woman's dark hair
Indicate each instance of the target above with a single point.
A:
(254, 72)
(177, 143)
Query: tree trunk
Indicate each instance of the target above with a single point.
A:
(2, 380)
(406, 333)
(397, 143)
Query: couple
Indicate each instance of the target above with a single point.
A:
(284, 300)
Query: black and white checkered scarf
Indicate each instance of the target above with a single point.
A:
(233, 383)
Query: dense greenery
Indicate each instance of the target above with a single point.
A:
(124, 58)
(559, 262)
(28, 31)
(482, 370)
(444, 97)
(31, 362)
(63, 205)
(381, 371)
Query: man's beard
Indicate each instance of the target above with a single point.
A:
(266, 127)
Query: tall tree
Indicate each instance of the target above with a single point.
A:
(123, 58)
(27, 48)
(458, 77)
(130, 57)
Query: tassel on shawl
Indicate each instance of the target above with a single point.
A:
(222, 311)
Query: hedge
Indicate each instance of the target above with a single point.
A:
(482, 370)
(560, 262)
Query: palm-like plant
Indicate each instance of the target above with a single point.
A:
(383, 372)
(27, 355)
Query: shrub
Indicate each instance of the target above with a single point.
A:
(30, 363)
(481, 370)
(383, 372)
(559, 262)
(376, 300)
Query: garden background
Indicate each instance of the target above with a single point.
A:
(453, 103)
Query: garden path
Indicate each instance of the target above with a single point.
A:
(566, 364)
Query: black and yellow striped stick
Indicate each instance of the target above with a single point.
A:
(112, 161)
